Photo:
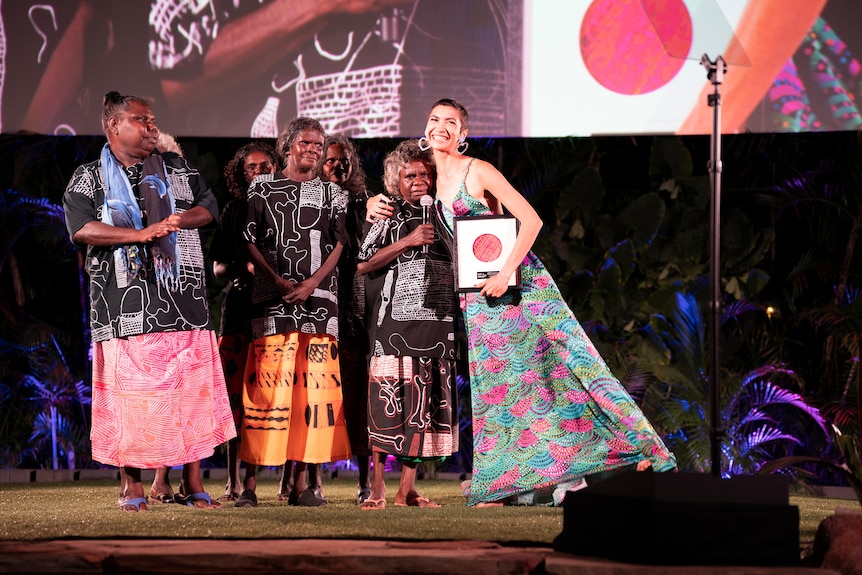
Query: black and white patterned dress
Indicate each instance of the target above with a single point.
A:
(412, 396)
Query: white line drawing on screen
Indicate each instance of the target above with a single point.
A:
(357, 103)
(330, 55)
(50, 10)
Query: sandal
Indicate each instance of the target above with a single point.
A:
(247, 498)
(291, 497)
(162, 498)
(373, 504)
(308, 499)
(231, 496)
(132, 505)
(190, 500)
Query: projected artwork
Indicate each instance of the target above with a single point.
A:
(623, 48)
(372, 68)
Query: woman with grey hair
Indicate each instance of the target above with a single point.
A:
(412, 405)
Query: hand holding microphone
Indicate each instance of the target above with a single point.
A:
(426, 202)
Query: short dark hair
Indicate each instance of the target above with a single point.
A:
(291, 131)
(458, 106)
(114, 103)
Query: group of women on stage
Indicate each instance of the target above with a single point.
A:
(339, 330)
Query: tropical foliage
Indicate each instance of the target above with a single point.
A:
(43, 397)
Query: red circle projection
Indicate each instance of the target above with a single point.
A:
(487, 247)
(635, 46)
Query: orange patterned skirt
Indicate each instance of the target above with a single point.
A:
(159, 400)
(292, 401)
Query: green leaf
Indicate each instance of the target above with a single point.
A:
(624, 254)
(643, 217)
(669, 158)
(585, 192)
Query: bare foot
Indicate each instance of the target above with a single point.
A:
(644, 464)
(202, 504)
(490, 504)
(413, 499)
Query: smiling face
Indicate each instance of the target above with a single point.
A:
(336, 165)
(444, 129)
(414, 181)
(133, 133)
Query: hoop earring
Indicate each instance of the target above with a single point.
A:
(465, 145)
(424, 144)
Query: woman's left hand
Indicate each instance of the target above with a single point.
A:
(494, 286)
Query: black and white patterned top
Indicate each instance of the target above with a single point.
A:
(295, 226)
(120, 307)
(412, 300)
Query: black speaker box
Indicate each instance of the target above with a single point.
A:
(683, 519)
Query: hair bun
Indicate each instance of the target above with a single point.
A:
(112, 97)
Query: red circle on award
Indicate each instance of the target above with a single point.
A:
(487, 247)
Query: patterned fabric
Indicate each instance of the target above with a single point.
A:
(412, 396)
(823, 70)
(292, 402)
(412, 407)
(158, 400)
(295, 226)
(411, 300)
(122, 306)
(546, 408)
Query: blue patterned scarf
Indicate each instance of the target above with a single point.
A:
(121, 209)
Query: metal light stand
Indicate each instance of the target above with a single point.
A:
(715, 73)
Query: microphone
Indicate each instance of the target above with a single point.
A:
(426, 202)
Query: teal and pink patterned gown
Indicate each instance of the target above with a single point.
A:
(546, 408)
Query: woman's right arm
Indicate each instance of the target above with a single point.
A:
(378, 208)
(422, 235)
(95, 233)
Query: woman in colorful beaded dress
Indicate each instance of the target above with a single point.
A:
(547, 411)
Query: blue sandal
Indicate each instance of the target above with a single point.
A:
(135, 502)
(189, 500)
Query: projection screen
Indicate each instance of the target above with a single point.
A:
(372, 68)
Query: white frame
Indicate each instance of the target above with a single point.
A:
(469, 270)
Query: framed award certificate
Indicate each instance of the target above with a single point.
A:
(482, 244)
